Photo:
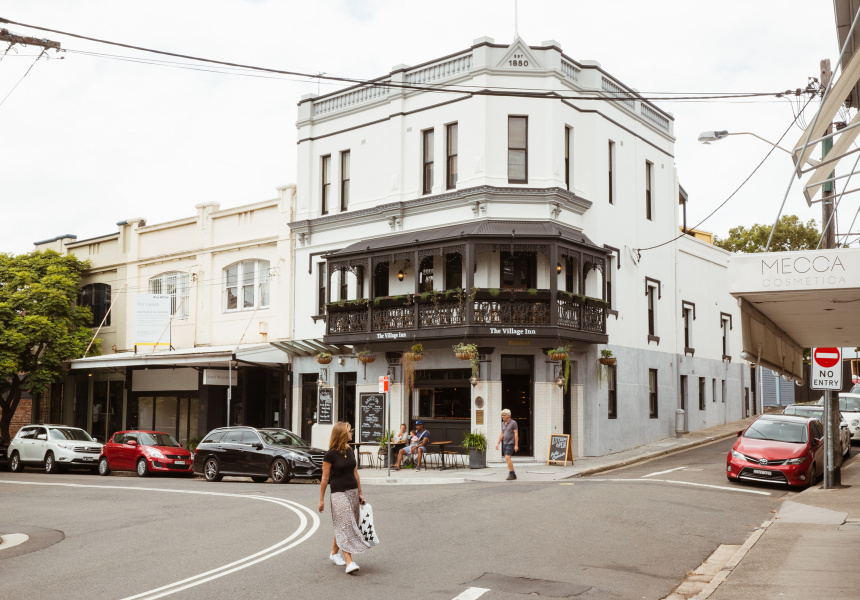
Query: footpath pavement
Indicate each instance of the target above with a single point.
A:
(809, 550)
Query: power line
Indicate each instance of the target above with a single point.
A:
(22, 77)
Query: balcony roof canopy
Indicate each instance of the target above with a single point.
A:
(509, 231)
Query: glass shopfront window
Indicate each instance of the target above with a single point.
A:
(176, 415)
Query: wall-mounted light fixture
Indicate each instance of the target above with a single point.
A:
(558, 268)
(400, 275)
(473, 380)
(559, 381)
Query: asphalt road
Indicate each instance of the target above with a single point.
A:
(631, 533)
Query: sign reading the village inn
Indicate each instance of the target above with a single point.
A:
(806, 270)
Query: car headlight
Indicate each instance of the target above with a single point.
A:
(302, 460)
(738, 455)
(796, 461)
(65, 446)
(155, 453)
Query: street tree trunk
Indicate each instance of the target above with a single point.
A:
(8, 405)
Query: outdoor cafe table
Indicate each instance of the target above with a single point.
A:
(357, 446)
(442, 452)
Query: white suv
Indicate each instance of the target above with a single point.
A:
(54, 447)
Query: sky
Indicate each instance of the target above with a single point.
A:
(88, 141)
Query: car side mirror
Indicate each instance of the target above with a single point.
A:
(132, 442)
(816, 442)
(740, 433)
(258, 446)
(42, 436)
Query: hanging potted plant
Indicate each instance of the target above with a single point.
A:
(324, 358)
(416, 353)
(606, 358)
(561, 353)
(366, 356)
(476, 444)
(469, 352)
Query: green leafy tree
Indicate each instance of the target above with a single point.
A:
(791, 234)
(41, 325)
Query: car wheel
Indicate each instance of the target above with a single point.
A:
(281, 471)
(51, 466)
(15, 463)
(142, 468)
(813, 476)
(211, 470)
(104, 468)
(259, 479)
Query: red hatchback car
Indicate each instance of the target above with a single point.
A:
(145, 452)
(782, 449)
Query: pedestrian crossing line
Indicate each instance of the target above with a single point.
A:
(472, 594)
(663, 472)
(702, 485)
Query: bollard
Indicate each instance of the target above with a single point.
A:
(679, 423)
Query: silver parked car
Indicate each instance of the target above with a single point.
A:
(817, 411)
(53, 448)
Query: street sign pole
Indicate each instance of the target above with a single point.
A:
(826, 375)
(828, 443)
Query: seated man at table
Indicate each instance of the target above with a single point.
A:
(418, 451)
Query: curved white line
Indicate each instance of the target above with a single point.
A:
(227, 569)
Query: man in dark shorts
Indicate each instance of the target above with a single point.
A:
(418, 451)
(510, 440)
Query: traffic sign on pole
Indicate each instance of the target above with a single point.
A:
(826, 369)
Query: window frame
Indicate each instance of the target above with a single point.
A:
(612, 392)
(182, 289)
(703, 382)
(325, 183)
(653, 397)
(428, 139)
(321, 288)
(345, 179)
(524, 149)
(649, 190)
(260, 295)
(97, 297)
(568, 155)
(611, 192)
(452, 173)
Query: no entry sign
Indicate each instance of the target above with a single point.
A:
(383, 384)
(826, 369)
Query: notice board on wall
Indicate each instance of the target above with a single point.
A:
(324, 406)
(371, 413)
(559, 449)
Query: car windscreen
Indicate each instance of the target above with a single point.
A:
(78, 435)
(778, 431)
(157, 439)
(281, 437)
(808, 412)
(856, 389)
(849, 404)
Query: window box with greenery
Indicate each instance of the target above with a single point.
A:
(392, 301)
(324, 358)
(476, 444)
(345, 305)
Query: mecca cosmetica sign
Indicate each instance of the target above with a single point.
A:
(808, 270)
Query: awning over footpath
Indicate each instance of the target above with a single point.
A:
(795, 300)
(266, 354)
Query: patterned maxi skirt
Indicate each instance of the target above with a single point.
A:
(344, 515)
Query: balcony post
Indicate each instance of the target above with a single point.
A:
(370, 292)
(469, 267)
(553, 284)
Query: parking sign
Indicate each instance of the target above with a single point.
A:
(826, 369)
(383, 384)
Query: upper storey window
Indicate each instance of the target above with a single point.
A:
(518, 149)
(246, 285)
(97, 297)
(344, 180)
(325, 184)
(427, 153)
(649, 199)
(176, 286)
(451, 156)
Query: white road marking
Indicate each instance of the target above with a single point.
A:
(13, 539)
(667, 471)
(243, 563)
(472, 594)
(704, 485)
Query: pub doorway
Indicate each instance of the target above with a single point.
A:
(309, 404)
(518, 397)
(346, 398)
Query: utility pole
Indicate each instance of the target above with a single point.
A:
(832, 437)
(24, 40)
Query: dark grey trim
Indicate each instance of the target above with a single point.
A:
(617, 253)
(685, 304)
(56, 239)
(690, 351)
(98, 237)
(659, 286)
(727, 358)
(455, 195)
(619, 125)
(726, 317)
(311, 259)
(654, 338)
(614, 313)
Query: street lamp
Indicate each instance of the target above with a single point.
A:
(706, 137)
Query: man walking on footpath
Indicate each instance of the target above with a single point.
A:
(510, 440)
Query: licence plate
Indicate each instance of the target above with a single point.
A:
(87, 458)
(179, 462)
(760, 472)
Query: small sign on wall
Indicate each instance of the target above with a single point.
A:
(479, 417)
(324, 406)
(220, 377)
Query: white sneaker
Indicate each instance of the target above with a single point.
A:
(351, 567)
(337, 559)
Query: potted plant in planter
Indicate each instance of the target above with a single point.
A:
(366, 356)
(606, 357)
(416, 353)
(324, 358)
(561, 353)
(407, 362)
(383, 444)
(476, 443)
(468, 352)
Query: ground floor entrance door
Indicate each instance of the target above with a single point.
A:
(346, 398)
(518, 397)
(309, 404)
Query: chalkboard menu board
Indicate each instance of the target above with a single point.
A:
(324, 406)
(371, 417)
(559, 449)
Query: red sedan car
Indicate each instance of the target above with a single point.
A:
(145, 452)
(782, 449)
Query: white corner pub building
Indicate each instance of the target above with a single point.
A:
(433, 210)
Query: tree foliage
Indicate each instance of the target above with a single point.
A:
(40, 324)
(791, 234)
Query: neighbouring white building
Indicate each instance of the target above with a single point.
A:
(227, 276)
(512, 223)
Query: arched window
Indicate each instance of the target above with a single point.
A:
(97, 297)
(246, 285)
(175, 285)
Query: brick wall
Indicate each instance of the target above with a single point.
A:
(22, 416)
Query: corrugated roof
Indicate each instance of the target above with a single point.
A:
(508, 230)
